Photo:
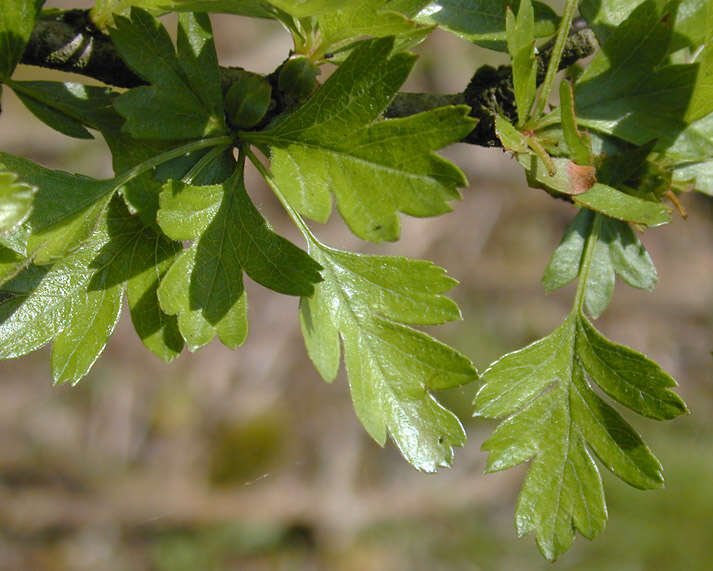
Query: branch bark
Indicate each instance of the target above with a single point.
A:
(69, 41)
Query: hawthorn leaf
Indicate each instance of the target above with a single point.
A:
(366, 301)
(104, 10)
(11, 262)
(16, 200)
(511, 139)
(66, 208)
(174, 294)
(334, 143)
(483, 21)
(617, 251)
(626, 92)
(629, 257)
(555, 420)
(184, 99)
(617, 204)
(601, 279)
(520, 33)
(45, 300)
(17, 20)
(138, 256)
(577, 142)
(90, 317)
(564, 264)
(204, 286)
(375, 18)
(689, 26)
(700, 174)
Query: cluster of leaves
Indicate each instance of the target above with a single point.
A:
(175, 228)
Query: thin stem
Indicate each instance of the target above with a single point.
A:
(565, 24)
(296, 218)
(157, 160)
(586, 263)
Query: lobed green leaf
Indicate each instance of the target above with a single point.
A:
(553, 419)
(332, 143)
(391, 367)
(184, 99)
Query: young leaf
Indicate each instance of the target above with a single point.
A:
(204, 286)
(15, 200)
(17, 19)
(184, 99)
(520, 32)
(555, 420)
(392, 369)
(615, 250)
(564, 265)
(509, 136)
(579, 146)
(333, 143)
(622, 206)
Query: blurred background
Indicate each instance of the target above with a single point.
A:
(248, 460)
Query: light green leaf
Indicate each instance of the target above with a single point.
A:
(617, 251)
(392, 368)
(564, 265)
(617, 204)
(700, 174)
(601, 279)
(17, 19)
(483, 21)
(629, 258)
(16, 200)
(520, 32)
(555, 420)
(334, 143)
(579, 146)
(66, 208)
(184, 99)
(374, 18)
(103, 11)
(509, 136)
(45, 299)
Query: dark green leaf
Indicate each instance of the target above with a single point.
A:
(627, 376)
(247, 100)
(184, 99)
